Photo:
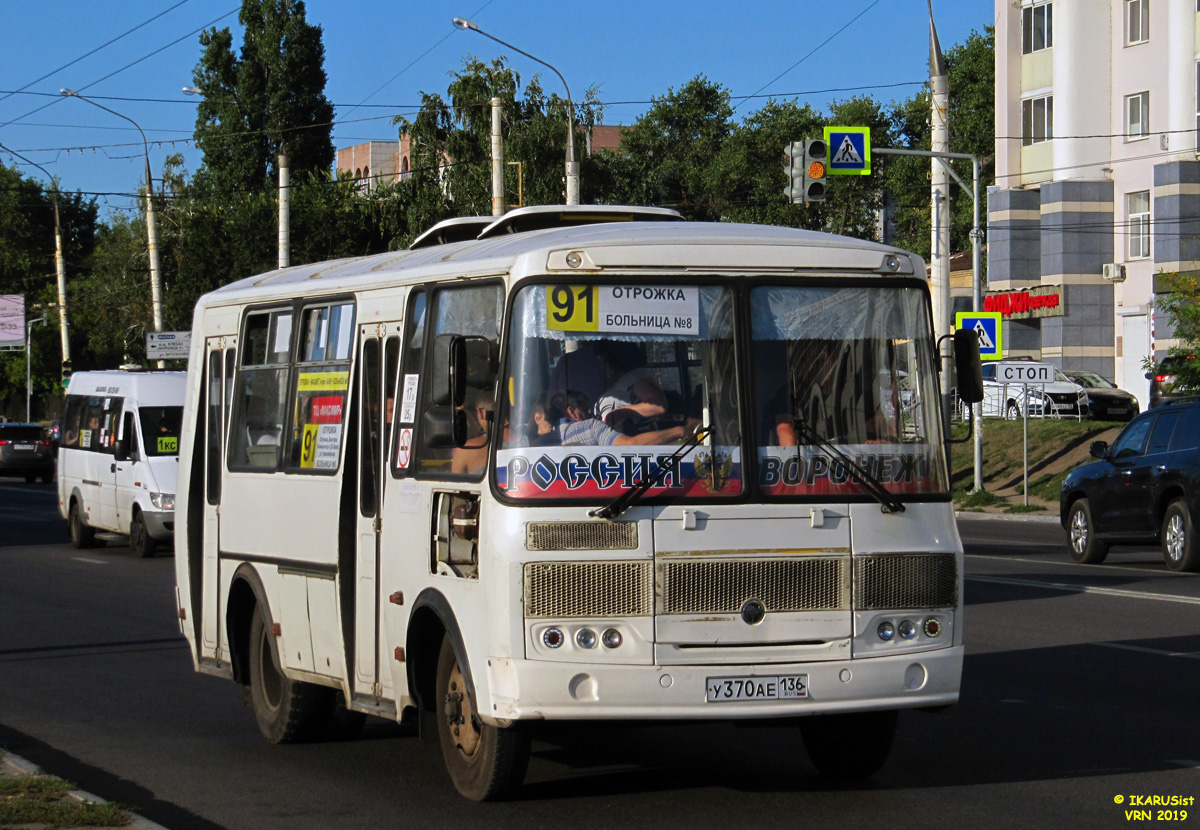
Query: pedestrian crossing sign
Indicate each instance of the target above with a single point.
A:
(987, 325)
(849, 150)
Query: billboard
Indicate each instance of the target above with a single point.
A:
(12, 321)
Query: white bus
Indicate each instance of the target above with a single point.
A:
(590, 463)
(118, 457)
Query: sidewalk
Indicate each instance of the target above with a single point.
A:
(14, 768)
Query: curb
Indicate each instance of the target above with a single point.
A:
(968, 515)
(25, 767)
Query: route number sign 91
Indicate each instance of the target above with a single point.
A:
(629, 309)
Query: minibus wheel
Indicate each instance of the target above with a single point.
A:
(82, 536)
(486, 763)
(287, 711)
(140, 541)
(852, 745)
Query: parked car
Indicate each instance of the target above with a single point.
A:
(1143, 489)
(1162, 381)
(1105, 401)
(24, 451)
(1013, 387)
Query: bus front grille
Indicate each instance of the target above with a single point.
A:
(905, 580)
(588, 589)
(723, 586)
(581, 536)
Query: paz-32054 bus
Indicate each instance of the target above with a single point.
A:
(585, 464)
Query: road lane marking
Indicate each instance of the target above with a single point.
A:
(91, 561)
(1084, 589)
(1187, 655)
(1105, 568)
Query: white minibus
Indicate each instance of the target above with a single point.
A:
(588, 464)
(118, 456)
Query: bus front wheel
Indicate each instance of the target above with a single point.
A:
(287, 711)
(82, 536)
(849, 746)
(486, 763)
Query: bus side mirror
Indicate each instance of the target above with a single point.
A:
(968, 366)
(444, 427)
(449, 371)
(121, 450)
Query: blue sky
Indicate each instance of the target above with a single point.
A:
(380, 56)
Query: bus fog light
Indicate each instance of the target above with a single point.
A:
(552, 637)
(611, 638)
(886, 631)
(585, 638)
(907, 630)
(933, 627)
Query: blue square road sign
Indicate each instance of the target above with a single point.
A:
(987, 325)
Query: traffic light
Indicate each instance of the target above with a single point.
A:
(66, 373)
(816, 161)
(795, 173)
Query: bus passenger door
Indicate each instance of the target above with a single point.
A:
(376, 390)
(221, 358)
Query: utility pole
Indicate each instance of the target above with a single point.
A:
(939, 87)
(285, 202)
(497, 159)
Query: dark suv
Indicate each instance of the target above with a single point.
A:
(24, 451)
(1162, 381)
(1144, 489)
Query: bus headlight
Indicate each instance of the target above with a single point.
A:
(552, 637)
(933, 627)
(611, 638)
(163, 501)
(906, 629)
(886, 631)
(585, 638)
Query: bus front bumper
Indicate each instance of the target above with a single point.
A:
(542, 689)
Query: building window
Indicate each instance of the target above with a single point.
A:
(1037, 28)
(1137, 21)
(1137, 112)
(1137, 207)
(1037, 120)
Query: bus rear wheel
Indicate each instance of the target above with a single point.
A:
(849, 746)
(287, 711)
(486, 763)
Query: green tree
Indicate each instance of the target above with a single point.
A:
(270, 96)
(1180, 306)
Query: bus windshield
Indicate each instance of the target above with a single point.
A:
(605, 381)
(850, 366)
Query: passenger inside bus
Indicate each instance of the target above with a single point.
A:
(582, 429)
(632, 393)
(471, 459)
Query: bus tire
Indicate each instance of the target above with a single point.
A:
(486, 763)
(287, 711)
(82, 536)
(849, 746)
(140, 541)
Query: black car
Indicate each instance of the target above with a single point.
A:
(24, 451)
(1144, 489)
(1107, 402)
(1162, 381)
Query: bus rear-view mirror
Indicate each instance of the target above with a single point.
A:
(968, 365)
(445, 427)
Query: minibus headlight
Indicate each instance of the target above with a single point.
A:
(163, 501)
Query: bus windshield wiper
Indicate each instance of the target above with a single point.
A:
(887, 500)
(634, 494)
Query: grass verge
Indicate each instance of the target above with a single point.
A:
(44, 801)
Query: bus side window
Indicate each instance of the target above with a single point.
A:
(256, 429)
(473, 311)
(70, 421)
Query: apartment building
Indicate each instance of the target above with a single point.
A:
(1097, 176)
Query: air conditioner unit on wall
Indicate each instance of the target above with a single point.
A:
(1113, 271)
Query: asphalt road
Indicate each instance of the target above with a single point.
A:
(1079, 686)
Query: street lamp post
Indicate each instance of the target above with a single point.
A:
(572, 166)
(29, 367)
(151, 225)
